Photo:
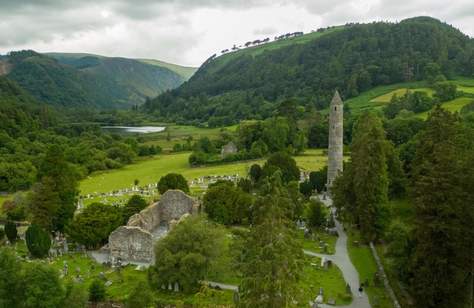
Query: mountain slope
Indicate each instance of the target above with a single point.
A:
(82, 80)
(184, 71)
(353, 59)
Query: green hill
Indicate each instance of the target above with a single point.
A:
(184, 71)
(354, 58)
(84, 80)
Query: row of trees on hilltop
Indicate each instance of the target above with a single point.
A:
(353, 60)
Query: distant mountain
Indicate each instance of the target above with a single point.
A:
(85, 80)
(250, 82)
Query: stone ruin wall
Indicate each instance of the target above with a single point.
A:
(135, 242)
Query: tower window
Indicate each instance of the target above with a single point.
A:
(335, 108)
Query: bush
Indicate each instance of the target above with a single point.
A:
(37, 241)
(76, 296)
(11, 231)
(172, 181)
(141, 296)
(97, 291)
(2, 234)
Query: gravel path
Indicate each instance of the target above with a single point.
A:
(342, 260)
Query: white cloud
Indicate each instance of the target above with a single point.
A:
(189, 31)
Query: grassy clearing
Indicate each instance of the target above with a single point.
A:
(150, 170)
(385, 98)
(365, 100)
(452, 106)
(362, 258)
(466, 89)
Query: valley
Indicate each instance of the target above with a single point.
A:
(319, 169)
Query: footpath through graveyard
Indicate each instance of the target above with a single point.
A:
(342, 260)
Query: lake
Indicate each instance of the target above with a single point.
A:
(135, 129)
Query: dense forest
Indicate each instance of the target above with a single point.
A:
(28, 128)
(88, 81)
(354, 59)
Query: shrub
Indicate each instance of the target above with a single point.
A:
(76, 296)
(11, 231)
(37, 241)
(173, 181)
(97, 291)
(141, 296)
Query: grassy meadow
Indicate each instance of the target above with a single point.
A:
(150, 170)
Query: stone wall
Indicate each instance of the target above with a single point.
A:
(135, 241)
(131, 244)
(174, 204)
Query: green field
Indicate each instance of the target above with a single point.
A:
(180, 133)
(385, 98)
(365, 100)
(452, 106)
(378, 97)
(150, 170)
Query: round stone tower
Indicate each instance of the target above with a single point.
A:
(336, 112)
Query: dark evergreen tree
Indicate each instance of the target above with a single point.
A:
(11, 231)
(369, 172)
(442, 187)
(38, 241)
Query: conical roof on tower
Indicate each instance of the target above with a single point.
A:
(336, 99)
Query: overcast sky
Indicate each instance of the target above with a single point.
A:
(189, 31)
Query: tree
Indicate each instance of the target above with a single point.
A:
(315, 216)
(185, 254)
(134, 205)
(2, 234)
(45, 203)
(41, 287)
(445, 91)
(38, 241)
(94, 224)
(141, 296)
(11, 231)
(226, 204)
(97, 292)
(318, 179)
(283, 162)
(443, 177)
(271, 257)
(173, 181)
(10, 279)
(369, 171)
(255, 172)
(61, 178)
